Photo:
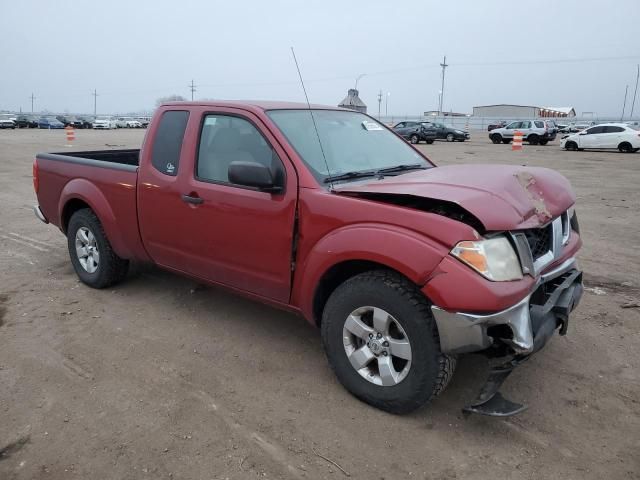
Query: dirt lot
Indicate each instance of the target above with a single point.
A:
(162, 378)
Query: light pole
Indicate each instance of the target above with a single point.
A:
(358, 79)
(444, 66)
(386, 105)
(379, 103)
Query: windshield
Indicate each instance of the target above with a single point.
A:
(351, 142)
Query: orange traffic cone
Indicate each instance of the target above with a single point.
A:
(517, 141)
(70, 135)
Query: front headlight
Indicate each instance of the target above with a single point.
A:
(494, 258)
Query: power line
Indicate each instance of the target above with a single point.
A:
(444, 66)
(192, 87)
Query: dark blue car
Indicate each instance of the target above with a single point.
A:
(45, 122)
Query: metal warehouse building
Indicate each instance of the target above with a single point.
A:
(525, 111)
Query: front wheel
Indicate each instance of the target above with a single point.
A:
(93, 259)
(450, 137)
(544, 142)
(429, 142)
(382, 342)
(496, 138)
(414, 139)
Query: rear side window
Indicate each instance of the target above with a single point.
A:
(595, 130)
(165, 156)
(612, 129)
(539, 124)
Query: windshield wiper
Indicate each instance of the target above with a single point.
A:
(350, 175)
(402, 168)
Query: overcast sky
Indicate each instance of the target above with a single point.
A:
(133, 52)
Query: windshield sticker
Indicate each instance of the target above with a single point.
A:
(170, 168)
(367, 125)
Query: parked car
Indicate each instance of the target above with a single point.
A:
(70, 121)
(563, 127)
(144, 122)
(401, 264)
(7, 123)
(50, 122)
(416, 132)
(618, 136)
(133, 124)
(86, 122)
(533, 131)
(577, 127)
(104, 123)
(26, 121)
(121, 122)
(493, 126)
(449, 134)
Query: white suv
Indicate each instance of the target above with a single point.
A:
(533, 131)
(608, 135)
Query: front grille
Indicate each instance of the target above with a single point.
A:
(539, 240)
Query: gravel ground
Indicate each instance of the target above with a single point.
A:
(163, 378)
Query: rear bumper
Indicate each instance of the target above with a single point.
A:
(529, 323)
(39, 214)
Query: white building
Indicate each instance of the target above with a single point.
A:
(522, 111)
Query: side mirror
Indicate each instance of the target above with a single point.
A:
(582, 133)
(253, 174)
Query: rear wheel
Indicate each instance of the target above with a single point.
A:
(382, 342)
(450, 137)
(625, 147)
(414, 139)
(533, 139)
(496, 138)
(93, 259)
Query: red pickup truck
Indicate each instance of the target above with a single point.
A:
(326, 212)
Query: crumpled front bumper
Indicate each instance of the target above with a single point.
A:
(526, 325)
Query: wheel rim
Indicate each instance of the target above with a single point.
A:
(87, 250)
(377, 346)
(414, 139)
(450, 138)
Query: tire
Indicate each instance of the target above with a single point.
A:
(108, 269)
(571, 145)
(625, 147)
(414, 139)
(450, 137)
(544, 142)
(423, 376)
(533, 139)
(429, 142)
(635, 150)
(506, 141)
(496, 138)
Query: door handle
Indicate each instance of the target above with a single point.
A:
(195, 200)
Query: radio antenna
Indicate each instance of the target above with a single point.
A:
(313, 119)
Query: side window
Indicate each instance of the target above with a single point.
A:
(165, 156)
(592, 130)
(225, 139)
(613, 129)
(513, 125)
(539, 124)
(400, 125)
(525, 124)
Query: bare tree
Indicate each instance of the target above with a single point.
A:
(170, 98)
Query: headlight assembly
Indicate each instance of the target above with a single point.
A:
(494, 258)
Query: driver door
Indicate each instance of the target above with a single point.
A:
(510, 129)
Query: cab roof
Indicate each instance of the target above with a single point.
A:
(255, 105)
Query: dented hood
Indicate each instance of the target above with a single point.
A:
(501, 197)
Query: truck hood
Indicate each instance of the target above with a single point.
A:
(501, 197)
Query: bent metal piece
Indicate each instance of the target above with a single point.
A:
(490, 401)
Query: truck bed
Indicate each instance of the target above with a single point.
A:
(129, 157)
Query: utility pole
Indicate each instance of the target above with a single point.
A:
(192, 87)
(624, 105)
(444, 66)
(386, 105)
(95, 101)
(633, 104)
(379, 103)
(32, 97)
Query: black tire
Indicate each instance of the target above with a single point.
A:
(571, 145)
(625, 147)
(430, 369)
(635, 150)
(111, 269)
(506, 141)
(414, 139)
(544, 142)
(450, 137)
(496, 138)
(429, 142)
(533, 139)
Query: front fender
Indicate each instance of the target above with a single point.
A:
(84, 190)
(411, 254)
